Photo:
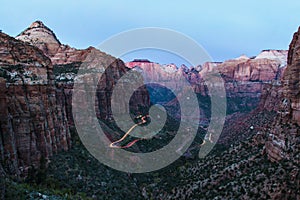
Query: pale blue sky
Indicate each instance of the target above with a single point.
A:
(226, 29)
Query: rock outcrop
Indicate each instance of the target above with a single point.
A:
(247, 80)
(66, 62)
(42, 37)
(264, 166)
(36, 95)
(283, 138)
(36, 112)
(32, 120)
(292, 77)
(39, 35)
(244, 77)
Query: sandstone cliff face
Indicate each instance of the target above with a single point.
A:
(32, 120)
(292, 77)
(66, 62)
(39, 35)
(264, 67)
(244, 77)
(282, 140)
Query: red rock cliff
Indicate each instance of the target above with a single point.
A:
(292, 77)
(282, 138)
(66, 62)
(244, 77)
(32, 121)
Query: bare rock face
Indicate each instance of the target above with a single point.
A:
(250, 83)
(169, 74)
(36, 95)
(66, 62)
(278, 55)
(39, 35)
(292, 77)
(244, 77)
(68, 55)
(283, 138)
(32, 120)
(257, 69)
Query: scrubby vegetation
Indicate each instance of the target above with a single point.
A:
(239, 172)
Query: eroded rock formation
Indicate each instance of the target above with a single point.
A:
(67, 61)
(292, 77)
(244, 77)
(32, 120)
(283, 138)
(39, 35)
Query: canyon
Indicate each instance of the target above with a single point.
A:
(244, 78)
(261, 132)
(264, 166)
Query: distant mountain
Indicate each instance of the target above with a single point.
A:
(245, 79)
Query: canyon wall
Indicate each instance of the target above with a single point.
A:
(66, 62)
(36, 96)
(292, 77)
(37, 85)
(282, 140)
(32, 119)
(244, 77)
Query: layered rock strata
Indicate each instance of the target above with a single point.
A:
(32, 119)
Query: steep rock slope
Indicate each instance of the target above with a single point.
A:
(283, 141)
(39, 35)
(66, 62)
(32, 120)
(292, 77)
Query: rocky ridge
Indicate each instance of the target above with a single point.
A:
(244, 77)
(39, 35)
(66, 62)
